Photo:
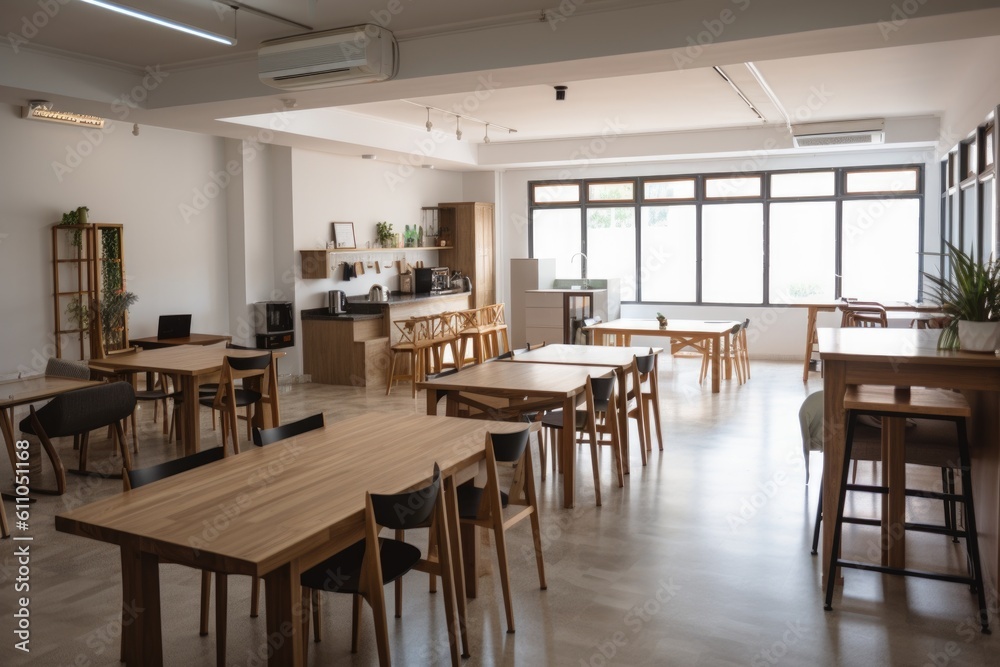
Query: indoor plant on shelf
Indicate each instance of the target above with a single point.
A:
(970, 296)
(383, 232)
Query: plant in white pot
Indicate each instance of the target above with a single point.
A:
(970, 296)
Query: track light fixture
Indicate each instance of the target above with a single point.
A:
(560, 93)
(165, 22)
(459, 117)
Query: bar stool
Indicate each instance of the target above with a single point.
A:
(894, 405)
(414, 339)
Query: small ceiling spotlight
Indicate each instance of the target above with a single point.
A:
(458, 127)
(560, 93)
(427, 166)
(135, 129)
(289, 103)
(368, 156)
(428, 124)
(486, 139)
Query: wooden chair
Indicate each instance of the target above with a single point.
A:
(77, 413)
(133, 479)
(474, 332)
(209, 389)
(415, 337)
(228, 397)
(738, 355)
(444, 338)
(863, 314)
(497, 336)
(364, 568)
(486, 507)
(598, 418)
(645, 391)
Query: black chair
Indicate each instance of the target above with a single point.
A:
(137, 478)
(267, 436)
(210, 388)
(354, 571)
(600, 400)
(485, 506)
(77, 413)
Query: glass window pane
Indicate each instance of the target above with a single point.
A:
(803, 253)
(611, 246)
(622, 191)
(888, 180)
(551, 194)
(807, 184)
(880, 244)
(669, 253)
(733, 253)
(674, 189)
(556, 233)
(988, 148)
(734, 186)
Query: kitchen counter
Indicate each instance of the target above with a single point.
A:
(322, 314)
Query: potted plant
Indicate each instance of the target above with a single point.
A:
(662, 319)
(383, 232)
(77, 216)
(970, 297)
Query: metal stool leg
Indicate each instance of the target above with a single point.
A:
(831, 572)
(971, 536)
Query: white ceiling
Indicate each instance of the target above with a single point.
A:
(621, 72)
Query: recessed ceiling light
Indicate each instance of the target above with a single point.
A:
(367, 156)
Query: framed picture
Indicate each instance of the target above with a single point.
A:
(343, 235)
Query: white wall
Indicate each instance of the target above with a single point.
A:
(778, 331)
(175, 264)
(331, 188)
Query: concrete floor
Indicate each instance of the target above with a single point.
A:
(702, 559)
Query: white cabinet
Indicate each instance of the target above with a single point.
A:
(557, 315)
(527, 274)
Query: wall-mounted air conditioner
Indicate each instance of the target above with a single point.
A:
(841, 133)
(359, 54)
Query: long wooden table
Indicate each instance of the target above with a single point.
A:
(152, 342)
(904, 358)
(898, 308)
(287, 507)
(715, 332)
(191, 364)
(617, 358)
(551, 384)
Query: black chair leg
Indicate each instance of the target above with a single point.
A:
(819, 521)
(971, 536)
(831, 573)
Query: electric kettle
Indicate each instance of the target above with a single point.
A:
(336, 302)
(378, 293)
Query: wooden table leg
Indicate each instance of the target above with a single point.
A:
(894, 503)
(716, 365)
(834, 385)
(142, 642)
(460, 568)
(623, 415)
(7, 426)
(283, 599)
(432, 401)
(810, 334)
(190, 423)
(569, 453)
(727, 356)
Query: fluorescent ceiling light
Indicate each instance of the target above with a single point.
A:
(42, 110)
(167, 23)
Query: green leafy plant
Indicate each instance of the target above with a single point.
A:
(383, 231)
(115, 300)
(971, 292)
(77, 216)
(661, 318)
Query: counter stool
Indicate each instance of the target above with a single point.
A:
(414, 340)
(473, 327)
(894, 405)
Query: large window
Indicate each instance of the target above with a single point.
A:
(750, 238)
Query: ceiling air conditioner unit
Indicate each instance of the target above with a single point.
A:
(359, 54)
(843, 133)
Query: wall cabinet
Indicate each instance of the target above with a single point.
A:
(469, 228)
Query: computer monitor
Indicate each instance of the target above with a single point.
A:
(174, 326)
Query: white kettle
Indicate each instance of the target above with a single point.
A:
(378, 293)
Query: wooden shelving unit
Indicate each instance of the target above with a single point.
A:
(316, 263)
(78, 268)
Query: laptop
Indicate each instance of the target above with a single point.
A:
(174, 326)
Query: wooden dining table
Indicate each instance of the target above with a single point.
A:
(905, 358)
(617, 358)
(544, 384)
(714, 332)
(287, 507)
(191, 364)
(152, 342)
(921, 312)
